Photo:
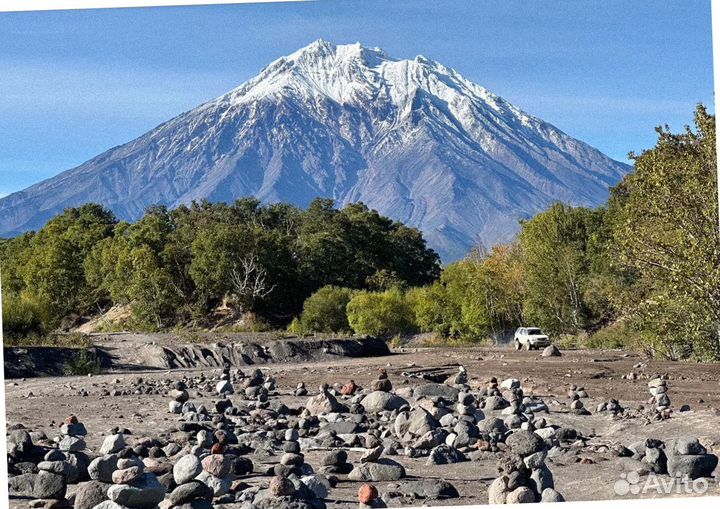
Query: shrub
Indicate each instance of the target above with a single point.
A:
(380, 314)
(84, 363)
(23, 315)
(325, 311)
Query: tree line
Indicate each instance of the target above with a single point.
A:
(175, 267)
(641, 272)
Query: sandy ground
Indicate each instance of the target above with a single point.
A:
(42, 404)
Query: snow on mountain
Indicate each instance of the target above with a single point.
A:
(411, 138)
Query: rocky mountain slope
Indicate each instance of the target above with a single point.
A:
(411, 138)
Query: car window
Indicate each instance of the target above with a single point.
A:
(534, 331)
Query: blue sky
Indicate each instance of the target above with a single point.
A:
(75, 83)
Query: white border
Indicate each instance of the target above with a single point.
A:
(44, 5)
(56, 5)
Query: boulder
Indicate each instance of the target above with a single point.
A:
(378, 401)
(383, 470)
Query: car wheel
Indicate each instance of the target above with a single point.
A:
(517, 345)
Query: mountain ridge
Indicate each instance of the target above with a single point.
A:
(411, 138)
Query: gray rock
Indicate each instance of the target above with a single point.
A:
(102, 468)
(688, 445)
(146, 492)
(417, 423)
(22, 484)
(19, 443)
(551, 351)
(216, 484)
(112, 444)
(186, 469)
(71, 444)
(378, 401)
(445, 455)
(189, 491)
(383, 470)
(497, 491)
(524, 443)
(323, 403)
(435, 391)
(521, 495)
(541, 478)
(692, 466)
(49, 486)
(427, 489)
(550, 495)
(90, 494)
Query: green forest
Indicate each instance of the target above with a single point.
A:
(642, 272)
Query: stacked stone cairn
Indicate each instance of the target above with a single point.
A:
(687, 458)
(190, 492)
(576, 405)
(133, 487)
(524, 477)
(659, 400)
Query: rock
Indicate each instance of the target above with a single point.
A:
(524, 443)
(318, 484)
(495, 403)
(378, 401)
(101, 468)
(541, 478)
(418, 422)
(334, 458)
(521, 495)
(372, 454)
(90, 493)
(224, 387)
(688, 445)
(437, 489)
(71, 444)
(445, 455)
(186, 469)
(281, 487)
(190, 491)
(126, 475)
(19, 443)
(436, 391)
(58, 467)
(113, 443)
(510, 384)
(550, 495)
(323, 403)
(383, 470)
(145, 493)
(22, 484)
(217, 465)
(551, 351)
(692, 466)
(218, 485)
(49, 485)
(181, 396)
(497, 491)
(367, 493)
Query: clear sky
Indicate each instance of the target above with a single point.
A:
(75, 83)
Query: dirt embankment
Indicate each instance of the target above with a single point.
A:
(130, 352)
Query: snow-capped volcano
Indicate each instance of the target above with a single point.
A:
(411, 138)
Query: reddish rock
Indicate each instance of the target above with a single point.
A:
(217, 449)
(217, 464)
(126, 475)
(281, 487)
(367, 493)
(349, 388)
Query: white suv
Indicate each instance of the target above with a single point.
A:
(531, 338)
